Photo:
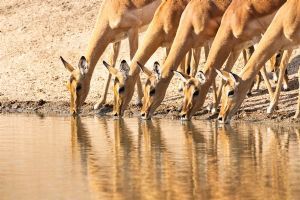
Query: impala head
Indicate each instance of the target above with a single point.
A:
(120, 92)
(191, 91)
(152, 93)
(231, 95)
(78, 84)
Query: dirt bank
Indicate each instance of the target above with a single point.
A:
(33, 34)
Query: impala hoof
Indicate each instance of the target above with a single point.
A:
(99, 105)
(213, 111)
(210, 108)
(271, 108)
(256, 87)
(180, 87)
(285, 88)
(297, 115)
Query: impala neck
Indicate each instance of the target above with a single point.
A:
(100, 39)
(260, 56)
(177, 53)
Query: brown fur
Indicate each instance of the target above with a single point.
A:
(160, 32)
(283, 33)
(243, 21)
(198, 25)
(127, 18)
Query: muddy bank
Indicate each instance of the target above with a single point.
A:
(61, 108)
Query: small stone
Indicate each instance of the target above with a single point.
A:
(15, 106)
(41, 102)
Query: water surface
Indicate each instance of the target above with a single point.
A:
(96, 158)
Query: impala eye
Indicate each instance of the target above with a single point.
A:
(231, 93)
(121, 90)
(78, 88)
(196, 93)
(152, 92)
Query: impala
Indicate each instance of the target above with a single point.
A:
(197, 27)
(193, 84)
(283, 33)
(241, 26)
(160, 33)
(117, 20)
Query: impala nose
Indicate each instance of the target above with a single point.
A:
(145, 116)
(184, 116)
(74, 112)
(220, 119)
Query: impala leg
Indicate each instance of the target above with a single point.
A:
(245, 56)
(113, 58)
(263, 73)
(215, 98)
(283, 65)
(133, 38)
(273, 66)
(255, 83)
(167, 52)
(187, 64)
(247, 53)
(206, 51)
(195, 61)
(258, 81)
(285, 81)
(182, 68)
(297, 115)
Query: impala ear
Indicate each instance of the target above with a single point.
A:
(83, 65)
(156, 70)
(124, 68)
(184, 77)
(235, 78)
(201, 77)
(144, 69)
(228, 76)
(69, 67)
(223, 74)
(110, 69)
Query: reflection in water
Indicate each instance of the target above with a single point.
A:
(159, 159)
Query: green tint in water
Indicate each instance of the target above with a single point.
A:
(94, 158)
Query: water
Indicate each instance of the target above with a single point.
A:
(94, 158)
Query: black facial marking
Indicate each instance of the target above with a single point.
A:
(235, 76)
(152, 92)
(231, 93)
(188, 71)
(121, 90)
(196, 93)
(78, 88)
(148, 82)
(71, 79)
